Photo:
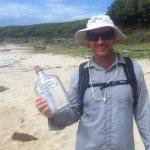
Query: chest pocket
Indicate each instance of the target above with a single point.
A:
(122, 95)
(89, 101)
(93, 108)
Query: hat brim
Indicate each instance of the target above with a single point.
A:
(80, 36)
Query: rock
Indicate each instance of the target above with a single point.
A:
(39, 47)
(3, 88)
(5, 50)
(23, 137)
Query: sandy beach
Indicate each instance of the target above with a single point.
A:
(18, 114)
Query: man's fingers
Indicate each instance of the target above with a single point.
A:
(41, 105)
(47, 112)
(38, 99)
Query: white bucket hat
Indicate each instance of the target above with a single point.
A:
(99, 22)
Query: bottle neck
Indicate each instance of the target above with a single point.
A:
(40, 74)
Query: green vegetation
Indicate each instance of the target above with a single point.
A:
(46, 31)
(135, 51)
(130, 12)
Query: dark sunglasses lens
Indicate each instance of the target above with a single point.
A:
(105, 36)
(93, 36)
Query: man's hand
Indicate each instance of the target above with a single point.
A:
(43, 107)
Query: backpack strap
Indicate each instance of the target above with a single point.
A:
(83, 84)
(130, 74)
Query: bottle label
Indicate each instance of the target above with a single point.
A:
(47, 85)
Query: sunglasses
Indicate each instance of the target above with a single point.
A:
(104, 35)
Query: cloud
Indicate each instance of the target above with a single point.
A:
(47, 12)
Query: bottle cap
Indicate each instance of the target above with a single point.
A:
(37, 68)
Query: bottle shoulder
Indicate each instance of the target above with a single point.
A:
(48, 78)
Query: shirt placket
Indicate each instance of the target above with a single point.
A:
(108, 113)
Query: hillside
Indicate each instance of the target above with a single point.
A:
(135, 34)
(49, 30)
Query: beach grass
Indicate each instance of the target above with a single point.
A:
(136, 51)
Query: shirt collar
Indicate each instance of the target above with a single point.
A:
(92, 63)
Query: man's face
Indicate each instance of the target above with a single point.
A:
(101, 41)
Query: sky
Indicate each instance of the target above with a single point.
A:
(29, 12)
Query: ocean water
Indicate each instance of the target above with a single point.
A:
(9, 54)
(7, 59)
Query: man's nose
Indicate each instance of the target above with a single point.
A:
(100, 40)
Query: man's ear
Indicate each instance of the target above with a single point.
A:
(114, 42)
(87, 42)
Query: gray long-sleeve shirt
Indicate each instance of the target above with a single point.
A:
(107, 125)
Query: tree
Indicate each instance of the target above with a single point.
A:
(129, 12)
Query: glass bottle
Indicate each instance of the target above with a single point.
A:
(52, 90)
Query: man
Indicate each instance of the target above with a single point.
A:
(107, 119)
